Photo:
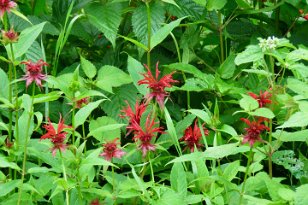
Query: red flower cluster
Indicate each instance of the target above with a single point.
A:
(263, 98)
(34, 72)
(143, 136)
(111, 150)
(156, 85)
(80, 103)
(57, 137)
(305, 16)
(95, 202)
(6, 5)
(253, 131)
(133, 117)
(193, 135)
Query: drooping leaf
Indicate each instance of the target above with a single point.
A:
(263, 112)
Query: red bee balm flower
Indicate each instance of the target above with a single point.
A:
(133, 116)
(145, 137)
(80, 103)
(157, 86)
(34, 72)
(254, 130)
(111, 150)
(9, 36)
(57, 136)
(192, 136)
(263, 98)
(6, 5)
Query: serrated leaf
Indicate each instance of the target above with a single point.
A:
(26, 39)
(299, 136)
(187, 8)
(163, 32)
(227, 68)
(263, 112)
(88, 68)
(298, 119)
(178, 179)
(7, 187)
(106, 18)
(250, 54)
(85, 111)
(301, 196)
(110, 76)
(231, 170)
(248, 103)
(135, 69)
(215, 5)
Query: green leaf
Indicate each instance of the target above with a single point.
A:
(35, 170)
(105, 128)
(5, 163)
(85, 111)
(187, 68)
(301, 196)
(7, 187)
(299, 136)
(227, 68)
(178, 179)
(231, 170)
(26, 39)
(135, 69)
(201, 2)
(263, 112)
(140, 20)
(24, 129)
(201, 114)
(3, 126)
(215, 5)
(171, 2)
(228, 129)
(243, 4)
(88, 68)
(51, 96)
(4, 84)
(163, 32)
(297, 86)
(248, 103)
(298, 119)
(286, 194)
(250, 54)
(106, 18)
(110, 76)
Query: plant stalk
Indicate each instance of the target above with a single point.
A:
(246, 174)
(65, 179)
(149, 35)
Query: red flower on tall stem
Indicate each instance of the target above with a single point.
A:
(34, 72)
(133, 116)
(57, 137)
(6, 5)
(111, 150)
(193, 135)
(254, 130)
(263, 99)
(145, 136)
(156, 85)
(9, 36)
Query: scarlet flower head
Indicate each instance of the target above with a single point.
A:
(82, 102)
(263, 98)
(6, 5)
(193, 135)
(156, 85)
(133, 116)
(254, 130)
(95, 202)
(111, 150)
(9, 36)
(145, 136)
(34, 72)
(57, 137)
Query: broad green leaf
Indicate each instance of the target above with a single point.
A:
(228, 129)
(250, 54)
(106, 18)
(3, 126)
(298, 136)
(105, 128)
(215, 5)
(187, 68)
(301, 196)
(35, 170)
(298, 119)
(135, 69)
(88, 68)
(110, 76)
(163, 32)
(26, 39)
(7, 187)
(25, 126)
(263, 112)
(171, 2)
(227, 68)
(231, 170)
(298, 54)
(188, 8)
(178, 179)
(259, 72)
(248, 103)
(243, 4)
(286, 194)
(82, 114)
(201, 2)
(51, 96)
(297, 86)
(6, 164)
(4, 84)
(201, 114)
(193, 85)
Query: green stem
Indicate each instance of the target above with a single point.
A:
(151, 168)
(246, 174)
(222, 55)
(113, 184)
(149, 35)
(65, 179)
(73, 123)
(25, 146)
